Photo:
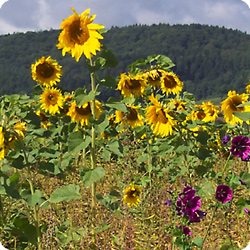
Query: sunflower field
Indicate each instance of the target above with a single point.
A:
(152, 170)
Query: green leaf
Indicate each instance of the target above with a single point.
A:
(202, 137)
(34, 199)
(164, 62)
(203, 153)
(110, 60)
(244, 116)
(109, 81)
(67, 193)
(246, 178)
(76, 141)
(207, 190)
(116, 104)
(92, 176)
(198, 242)
(102, 123)
(81, 97)
(96, 65)
(115, 147)
(18, 162)
(142, 158)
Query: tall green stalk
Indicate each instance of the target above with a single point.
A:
(225, 166)
(210, 224)
(93, 136)
(35, 210)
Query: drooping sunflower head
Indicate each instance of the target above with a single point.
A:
(44, 119)
(79, 35)
(171, 84)
(46, 72)
(51, 100)
(230, 105)
(198, 113)
(158, 116)
(177, 105)
(131, 196)
(4, 149)
(153, 77)
(132, 85)
(81, 114)
(17, 133)
(132, 117)
(211, 111)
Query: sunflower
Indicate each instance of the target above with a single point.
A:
(19, 130)
(79, 35)
(51, 100)
(230, 105)
(210, 110)
(132, 194)
(44, 119)
(153, 77)
(171, 84)
(161, 121)
(132, 117)
(80, 114)
(46, 72)
(177, 105)
(132, 85)
(3, 144)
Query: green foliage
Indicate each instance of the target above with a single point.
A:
(67, 193)
(212, 58)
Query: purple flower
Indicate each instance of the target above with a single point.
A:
(246, 210)
(242, 182)
(223, 193)
(226, 139)
(185, 230)
(188, 204)
(196, 216)
(168, 202)
(241, 147)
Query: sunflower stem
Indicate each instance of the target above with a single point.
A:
(210, 224)
(36, 218)
(93, 135)
(225, 166)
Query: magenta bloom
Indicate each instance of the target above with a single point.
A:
(246, 210)
(185, 230)
(226, 139)
(241, 147)
(188, 205)
(223, 193)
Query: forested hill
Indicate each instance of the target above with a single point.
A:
(209, 60)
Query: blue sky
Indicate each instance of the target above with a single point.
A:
(36, 15)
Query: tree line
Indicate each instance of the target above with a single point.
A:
(210, 60)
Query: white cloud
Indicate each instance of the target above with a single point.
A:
(19, 15)
(2, 2)
(247, 2)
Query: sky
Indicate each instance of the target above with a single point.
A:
(38, 15)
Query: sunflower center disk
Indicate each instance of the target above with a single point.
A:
(52, 99)
(133, 84)
(84, 111)
(234, 103)
(132, 115)
(169, 82)
(161, 116)
(45, 70)
(78, 34)
(201, 115)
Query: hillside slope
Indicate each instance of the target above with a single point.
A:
(209, 60)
